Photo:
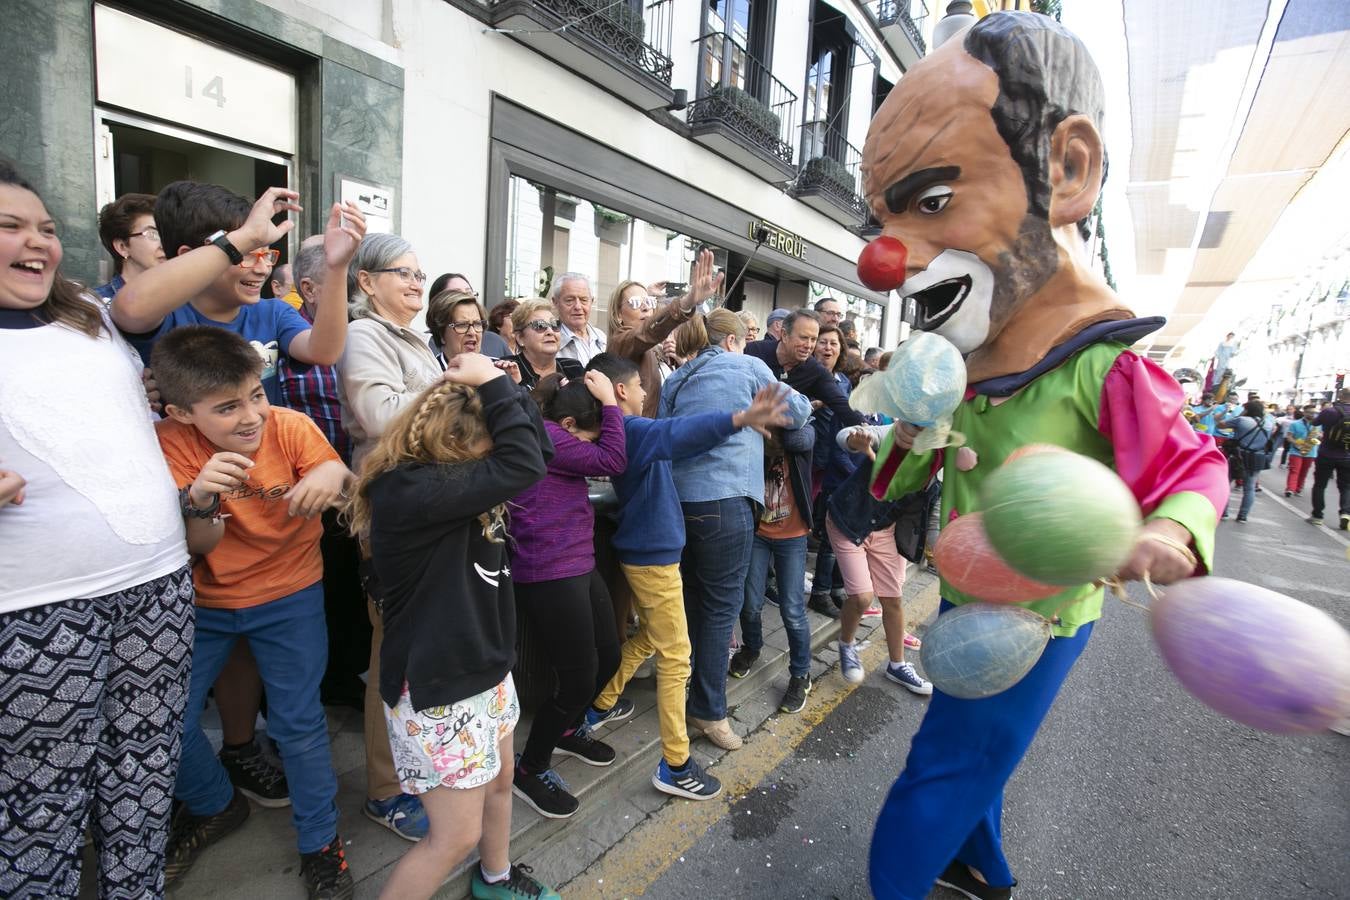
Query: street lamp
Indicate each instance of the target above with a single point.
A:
(959, 15)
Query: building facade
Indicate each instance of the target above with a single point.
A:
(509, 140)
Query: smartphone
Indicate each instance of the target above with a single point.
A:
(676, 288)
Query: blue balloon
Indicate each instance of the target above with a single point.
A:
(980, 649)
(924, 383)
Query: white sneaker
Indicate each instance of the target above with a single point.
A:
(850, 666)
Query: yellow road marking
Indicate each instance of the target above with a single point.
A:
(640, 858)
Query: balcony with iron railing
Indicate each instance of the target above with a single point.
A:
(742, 111)
(901, 24)
(622, 45)
(829, 180)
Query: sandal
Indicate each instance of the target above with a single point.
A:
(911, 642)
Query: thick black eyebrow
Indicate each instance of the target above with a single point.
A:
(899, 194)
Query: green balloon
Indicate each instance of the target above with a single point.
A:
(1060, 518)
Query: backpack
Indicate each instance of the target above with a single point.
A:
(1338, 435)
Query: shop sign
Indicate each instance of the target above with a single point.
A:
(375, 202)
(163, 73)
(779, 239)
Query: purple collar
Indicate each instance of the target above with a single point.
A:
(1125, 331)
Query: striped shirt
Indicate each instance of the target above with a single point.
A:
(313, 391)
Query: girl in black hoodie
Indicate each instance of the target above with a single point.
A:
(431, 501)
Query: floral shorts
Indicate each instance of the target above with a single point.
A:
(451, 746)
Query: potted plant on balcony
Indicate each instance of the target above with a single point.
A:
(620, 13)
(829, 172)
(728, 103)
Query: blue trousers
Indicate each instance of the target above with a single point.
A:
(716, 556)
(289, 640)
(789, 561)
(947, 803)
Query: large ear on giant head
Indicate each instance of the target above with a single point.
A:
(1076, 156)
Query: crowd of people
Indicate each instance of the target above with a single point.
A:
(222, 476)
(1313, 438)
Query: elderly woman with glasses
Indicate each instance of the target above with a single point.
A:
(386, 364)
(537, 333)
(639, 323)
(457, 322)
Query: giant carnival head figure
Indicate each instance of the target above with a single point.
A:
(985, 162)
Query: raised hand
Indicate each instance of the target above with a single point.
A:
(601, 388)
(704, 283)
(222, 473)
(346, 227)
(767, 410)
(258, 229)
(473, 369)
(511, 369)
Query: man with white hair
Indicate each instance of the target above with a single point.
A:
(572, 298)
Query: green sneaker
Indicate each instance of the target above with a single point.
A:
(520, 883)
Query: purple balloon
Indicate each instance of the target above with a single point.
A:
(1258, 657)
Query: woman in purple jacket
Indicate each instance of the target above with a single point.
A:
(557, 587)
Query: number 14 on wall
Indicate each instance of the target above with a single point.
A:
(214, 89)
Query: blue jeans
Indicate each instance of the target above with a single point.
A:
(947, 804)
(716, 556)
(289, 640)
(789, 561)
(827, 574)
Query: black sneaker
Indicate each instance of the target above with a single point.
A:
(255, 776)
(581, 745)
(822, 604)
(326, 874)
(794, 698)
(1345, 521)
(958, 878)
(190, 835)
(545, 791)
(742, 662)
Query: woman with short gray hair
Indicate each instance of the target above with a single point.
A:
(386, 364)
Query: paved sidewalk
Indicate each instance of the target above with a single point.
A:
(260, 860)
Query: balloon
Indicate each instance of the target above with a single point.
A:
(966, 561)
(1032, 449)
(1060, 518)
(980, 649)
(1255, 656)
(923, 384)
(881, 265)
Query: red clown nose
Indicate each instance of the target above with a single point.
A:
(881, 266)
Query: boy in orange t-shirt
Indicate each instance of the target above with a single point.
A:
(254, 481)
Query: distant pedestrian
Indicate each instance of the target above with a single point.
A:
(1333, 458)
(1301, 440)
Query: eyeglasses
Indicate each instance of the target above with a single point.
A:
(642, 302)
(539, 326)
(406, 274)
(266, 256)
(466, 327)
(151, 234)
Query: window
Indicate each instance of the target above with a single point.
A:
(828, 77)
(747, 55)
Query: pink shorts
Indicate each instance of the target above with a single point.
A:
(872, 567)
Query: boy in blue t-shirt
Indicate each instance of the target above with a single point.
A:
(649, 541)
(219, 256)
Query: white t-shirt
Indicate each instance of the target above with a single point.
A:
(101, 511)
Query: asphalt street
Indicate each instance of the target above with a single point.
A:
(1132, 789)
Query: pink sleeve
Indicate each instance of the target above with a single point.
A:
(1157, 453)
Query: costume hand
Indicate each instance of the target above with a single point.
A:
(222, 473)
(905, 434)
(258, 229)
(704, 284)
(767, 410)
(11, 488)
(511, 369)
(346, 228)
(1163, 561)
(473, 369)
(601, 388)
(322, 488)
(151, 391)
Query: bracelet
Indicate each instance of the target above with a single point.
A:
(191, 511)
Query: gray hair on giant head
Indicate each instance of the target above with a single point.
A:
(377, 251)
(565, 277)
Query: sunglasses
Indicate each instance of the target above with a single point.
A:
(539, 326)
(642, 302)
(466, 327)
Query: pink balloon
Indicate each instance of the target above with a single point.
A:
(968, 562)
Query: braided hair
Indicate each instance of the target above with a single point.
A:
(443, 426)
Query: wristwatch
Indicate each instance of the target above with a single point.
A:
(192, 512)
(223, 242)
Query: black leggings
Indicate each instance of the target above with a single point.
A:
(573, 622)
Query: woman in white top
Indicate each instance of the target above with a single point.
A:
(96, 613)
(385, 365)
